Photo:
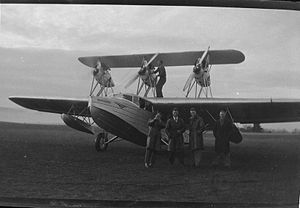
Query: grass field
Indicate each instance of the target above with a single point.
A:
(40, 161)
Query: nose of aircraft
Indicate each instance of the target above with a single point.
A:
(120, 117)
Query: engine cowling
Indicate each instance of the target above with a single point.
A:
(102, 75)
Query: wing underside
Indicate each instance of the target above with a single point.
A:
(76, 107)
(242, 110)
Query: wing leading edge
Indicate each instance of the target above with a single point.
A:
(242, 110)
(54, 105)
(169, 59)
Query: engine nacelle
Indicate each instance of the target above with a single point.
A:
(200, 76)
(203, 78)
(102, 75)
(147, 76)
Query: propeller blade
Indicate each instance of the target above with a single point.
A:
(204, 55)
(132, 80)
(189, 81)
(136, 76)
(152, 59)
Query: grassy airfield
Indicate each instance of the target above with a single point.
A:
(43, 161)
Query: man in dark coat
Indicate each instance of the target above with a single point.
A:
(196, 128)
(222, 130)
(174, 129)
(153, 140)
(162, 78)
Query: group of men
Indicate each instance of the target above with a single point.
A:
(175, 127)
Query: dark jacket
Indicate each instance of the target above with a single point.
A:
(196, 127)
(161, 72)
(174, 131)
(154, 134)
(222, 133)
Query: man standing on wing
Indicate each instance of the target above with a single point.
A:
(162, 78)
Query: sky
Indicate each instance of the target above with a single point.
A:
(40, 44)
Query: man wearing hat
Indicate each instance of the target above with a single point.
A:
(196, 128)
(174, 129)
(222, 130)
(153, 140)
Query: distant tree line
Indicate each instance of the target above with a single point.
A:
(251, 128)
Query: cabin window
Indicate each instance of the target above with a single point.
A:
(144, 104)
(127, 97)
(135, 100)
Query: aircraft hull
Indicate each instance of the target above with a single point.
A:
(121, 118)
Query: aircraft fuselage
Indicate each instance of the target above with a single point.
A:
(121, 117)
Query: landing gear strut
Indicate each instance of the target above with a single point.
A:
(101, 141)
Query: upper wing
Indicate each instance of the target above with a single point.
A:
(54, 105)
(242, 110)
(169, 59)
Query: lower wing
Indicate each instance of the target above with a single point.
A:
(242, 110)
(78, 107)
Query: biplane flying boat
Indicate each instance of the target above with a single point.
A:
(126, 115)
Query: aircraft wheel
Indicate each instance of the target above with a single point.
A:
(100, 142)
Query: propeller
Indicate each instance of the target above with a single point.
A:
(132, 80)
(204, 55)
(193, 74)
(135, 76)
(189, 81)
(97, 68)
